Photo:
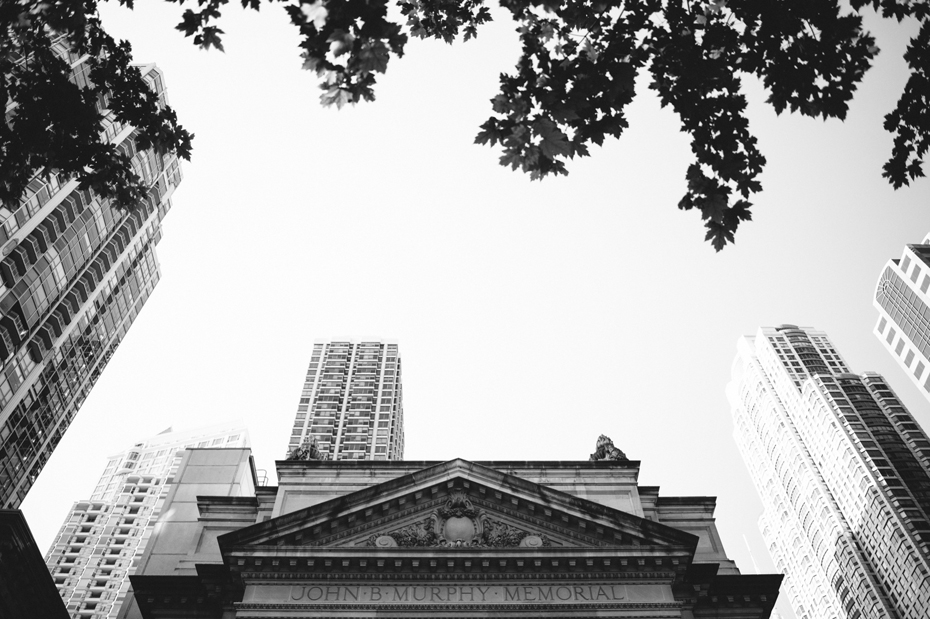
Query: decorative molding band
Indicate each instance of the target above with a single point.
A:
(536, 608)
(518, 577)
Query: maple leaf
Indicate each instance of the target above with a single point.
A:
(190, 23)
(373, 56)
(340, 42)
(511, 158)
(501, 104)
(718, 235)
(553, 142)
(316, 13)
(490, 132)
(312, 63)
(337, 96)
(209, 38)
(714, 206)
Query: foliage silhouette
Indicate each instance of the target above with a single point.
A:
(570, 87)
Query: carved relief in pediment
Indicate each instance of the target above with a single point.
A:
(458, 523)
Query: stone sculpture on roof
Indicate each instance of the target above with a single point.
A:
(606, 450)
(308, 450)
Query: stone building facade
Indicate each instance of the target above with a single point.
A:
(355, 538)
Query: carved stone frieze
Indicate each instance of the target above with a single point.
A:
(458, 523)
(458, 506)
(420, 533)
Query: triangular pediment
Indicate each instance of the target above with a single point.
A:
(458, 505)
(456, 515)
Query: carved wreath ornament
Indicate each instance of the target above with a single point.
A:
(458, 523)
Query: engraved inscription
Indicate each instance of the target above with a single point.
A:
(457, 594)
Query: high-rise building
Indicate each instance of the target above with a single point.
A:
(902, 298)
(74, 273)
(843, 471)
(352, 402)
(102, 539)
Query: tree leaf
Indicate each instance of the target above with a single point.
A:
(373, 56)
(336, 96)
(315, 13)
(340, 42)
(553, 142)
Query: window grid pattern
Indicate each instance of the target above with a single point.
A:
(902, 298)
(102, 539)
(352, 401)
(906, 309)
(842, 469)
(74, 276)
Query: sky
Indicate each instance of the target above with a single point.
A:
(531, 316)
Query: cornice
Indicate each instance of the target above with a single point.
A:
(639, 578)
(423, 464)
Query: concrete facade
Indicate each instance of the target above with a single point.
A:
(101, 539)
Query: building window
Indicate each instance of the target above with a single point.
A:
(919, 369)
(925, 284)
(882, 324)
(890, 337)
(909, 358)
(906, 262)
(899, 347)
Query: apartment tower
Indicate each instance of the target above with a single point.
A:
(102, 539)
(74, 274)
(843, 471)
(902, 298)
(352, 402)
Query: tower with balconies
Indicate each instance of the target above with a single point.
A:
(843, 471)
(74, 273)
(103, 538)
(352, 402)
